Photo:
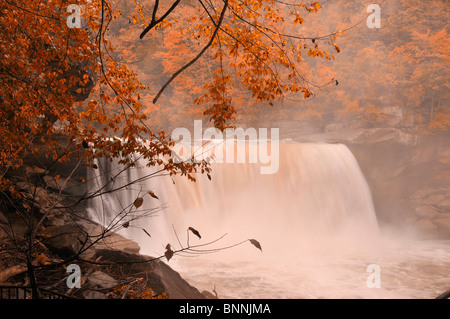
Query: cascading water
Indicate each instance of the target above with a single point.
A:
(314, 219)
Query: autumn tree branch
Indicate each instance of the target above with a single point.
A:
(216, 30)
(155, 21)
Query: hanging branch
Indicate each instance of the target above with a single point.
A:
(216, 30)
(154, 22)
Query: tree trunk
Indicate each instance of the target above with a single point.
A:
(34, 290)
(11, 272)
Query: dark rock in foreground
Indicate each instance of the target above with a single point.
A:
(157, 274)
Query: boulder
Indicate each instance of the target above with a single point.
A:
(67, 240)
(112, 240)
(52, 183)
(31, 171)
(98, 280)
(158, 275)
(65, 185)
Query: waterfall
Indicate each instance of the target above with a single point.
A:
(313, 217)
(318, 192)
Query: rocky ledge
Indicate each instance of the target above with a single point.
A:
(111, 267)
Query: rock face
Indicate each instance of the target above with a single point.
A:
(426, 228)
(158, 275)
(443, 225)
(100, 280)
(444, 204)
(121, 256)
(68, 239)
(410, 181)
(107, 260)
